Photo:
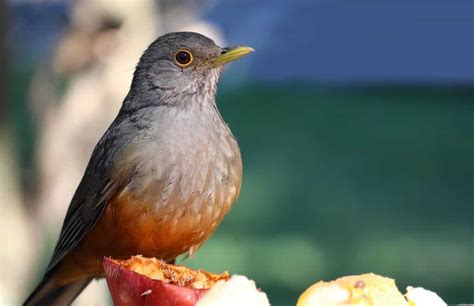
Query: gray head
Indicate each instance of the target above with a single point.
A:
(180, 65)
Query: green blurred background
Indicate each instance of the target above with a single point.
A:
(346, 181)
(343, 173)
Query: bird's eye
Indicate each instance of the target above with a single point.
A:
(183, 58)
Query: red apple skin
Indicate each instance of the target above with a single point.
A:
(129, 288)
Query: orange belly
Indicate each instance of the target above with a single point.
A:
(131, 226)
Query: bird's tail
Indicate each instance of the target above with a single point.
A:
(47, 294)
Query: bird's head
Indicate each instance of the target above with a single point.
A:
(183, 64)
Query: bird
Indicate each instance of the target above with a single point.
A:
(162, 176)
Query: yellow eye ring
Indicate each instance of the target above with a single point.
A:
(183, 58)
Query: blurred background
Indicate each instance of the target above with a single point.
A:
(355, 121)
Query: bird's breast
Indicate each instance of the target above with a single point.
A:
(180, 184)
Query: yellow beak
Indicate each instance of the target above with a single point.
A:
(231, 54)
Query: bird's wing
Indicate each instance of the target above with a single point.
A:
(91, 197)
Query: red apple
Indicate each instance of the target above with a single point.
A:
(141, 281)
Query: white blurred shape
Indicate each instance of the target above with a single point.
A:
(421, 297)
(17, 242)
(237, 291)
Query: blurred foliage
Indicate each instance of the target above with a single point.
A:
(340, 181)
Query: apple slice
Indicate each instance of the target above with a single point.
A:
(141, 281)
(358, 290)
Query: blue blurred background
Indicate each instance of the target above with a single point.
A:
(355, 120)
